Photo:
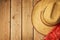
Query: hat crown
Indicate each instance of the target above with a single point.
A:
(51, 14)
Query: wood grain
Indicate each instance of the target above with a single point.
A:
(18, 15)
(27, 28)
(38, 36)
(4, 19)
(15, 19)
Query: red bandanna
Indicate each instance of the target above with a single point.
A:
(55, 34)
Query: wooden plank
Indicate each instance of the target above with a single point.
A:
(15, 19)
(27, 28)
(37, 35)
(4, 19)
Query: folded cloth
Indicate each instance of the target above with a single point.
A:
(54, 34)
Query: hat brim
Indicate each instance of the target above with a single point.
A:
(37, 23)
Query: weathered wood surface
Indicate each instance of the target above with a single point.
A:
(21, 11)
(4, 19)
(38, 36)
(27, 28)
(15, 19)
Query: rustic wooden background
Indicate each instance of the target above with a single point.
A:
(15, 20)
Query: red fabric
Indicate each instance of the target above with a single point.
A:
(54, 34)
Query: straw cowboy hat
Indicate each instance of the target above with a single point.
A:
(46, 14)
